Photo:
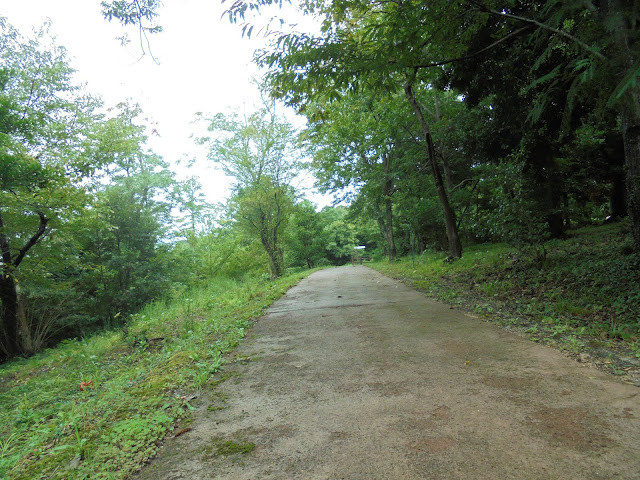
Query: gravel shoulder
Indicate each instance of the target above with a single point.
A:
(353, 375)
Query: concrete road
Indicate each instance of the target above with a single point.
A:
(353, 375)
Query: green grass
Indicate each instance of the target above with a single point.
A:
(136, 384)
(587, 286)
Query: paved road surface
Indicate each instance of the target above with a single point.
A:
(355, 376)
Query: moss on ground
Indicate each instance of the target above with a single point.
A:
(220, 446)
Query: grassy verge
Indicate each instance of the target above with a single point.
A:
(583, 297)
(97, 407)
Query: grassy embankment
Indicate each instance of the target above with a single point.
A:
(584, 297)
(97, 407)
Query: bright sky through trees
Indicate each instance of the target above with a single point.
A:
(203, 65)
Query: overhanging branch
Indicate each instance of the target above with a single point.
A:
(531, 21)
(42, 228)
(474, 54)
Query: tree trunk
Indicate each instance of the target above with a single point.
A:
(9, 316)
(618, 197)
(275, 254)
(448, 177)
(390, 238)
(277, 262)
(625, 33)
(11, 309)
(387, 191)
(631, 136)
(274, 262)
(455, 247)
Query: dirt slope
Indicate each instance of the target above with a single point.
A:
(353, 375)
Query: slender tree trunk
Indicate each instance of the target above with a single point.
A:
(390, 237)
(387, 191)
(455, 247)
(448, 177)
(631, 136)
(380, 218)
(9, 316)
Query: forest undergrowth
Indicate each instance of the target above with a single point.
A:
(98, 407)
(580, 294)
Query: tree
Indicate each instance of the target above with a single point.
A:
(306, 241)
(257, 151)
(587, 44)
(374, 47)
(127, 252)
(355, 145)
(368, 149)
(197, 214)
(340, 233)
(45, 131)
(141, 14)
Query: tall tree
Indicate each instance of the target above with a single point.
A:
(356, 143)
(126, 252)
(257, 151)
(45, 130)
(379, 47)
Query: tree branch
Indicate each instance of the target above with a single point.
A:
(33, 240)
(474, 54)
(544, 27)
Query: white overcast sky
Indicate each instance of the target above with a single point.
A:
(204, 65)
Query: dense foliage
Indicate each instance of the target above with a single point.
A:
(86, 207)
(512, 110)
(544, 136)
